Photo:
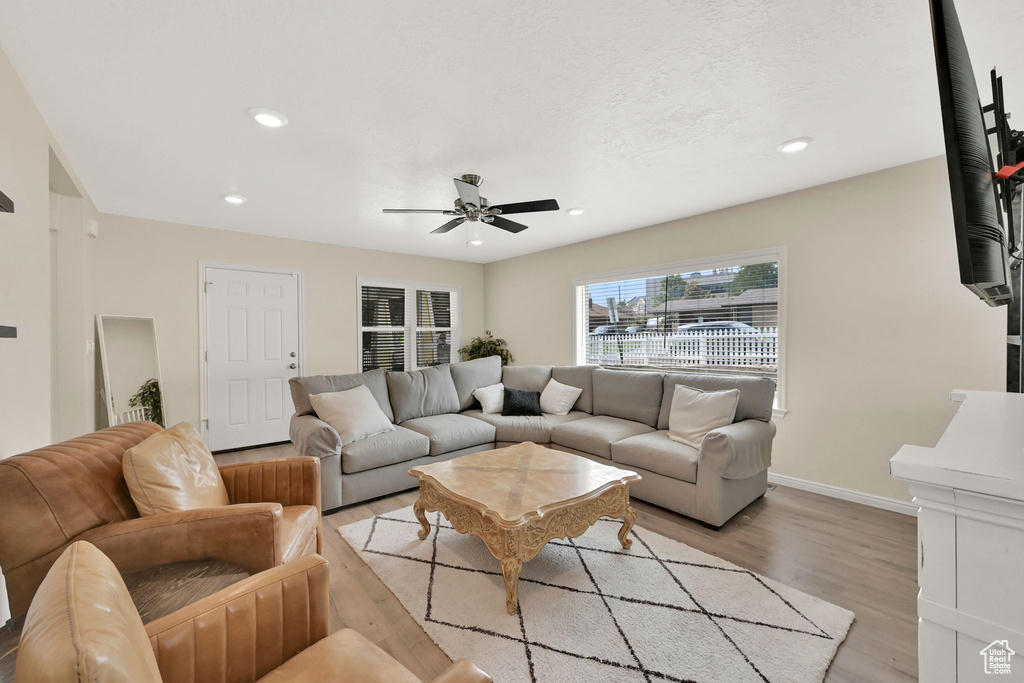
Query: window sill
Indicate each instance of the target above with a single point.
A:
(779, 413)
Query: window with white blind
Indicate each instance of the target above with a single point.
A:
(407, 325)
(723, 316)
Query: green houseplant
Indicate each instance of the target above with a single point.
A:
(148, 397)
(487, 345)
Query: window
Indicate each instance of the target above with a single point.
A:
(723, 316)
(406, 325)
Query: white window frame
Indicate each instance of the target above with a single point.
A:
(410, 328)
(745, 258)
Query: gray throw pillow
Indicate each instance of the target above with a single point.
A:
(419, 393)
(519, 402)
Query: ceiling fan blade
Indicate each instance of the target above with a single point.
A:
(468, 193)
(450, 225)
(528, 207)
(415, 210)
(506, 224)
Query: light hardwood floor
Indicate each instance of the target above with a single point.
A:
(859, 557)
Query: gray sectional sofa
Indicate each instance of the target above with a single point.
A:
(620, 417)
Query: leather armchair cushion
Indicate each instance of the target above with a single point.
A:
(299, 531)
(83, 625)
(344, 652)
(172, 471)
(656, 452)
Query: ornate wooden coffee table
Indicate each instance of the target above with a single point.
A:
(518, 498)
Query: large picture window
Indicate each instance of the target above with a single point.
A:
(723, 316)
(406, 325)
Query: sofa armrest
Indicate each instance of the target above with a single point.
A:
(247, 629)
(288, 481)
(314, 437)
(245, 535)
(739, 450)
(463, 671)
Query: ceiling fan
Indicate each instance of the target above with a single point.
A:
(470, 206)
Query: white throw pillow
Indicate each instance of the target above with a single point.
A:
(558, 398)
(354, 413)
(491, 398)
(695, 413)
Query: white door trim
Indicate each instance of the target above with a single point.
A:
(204, 387)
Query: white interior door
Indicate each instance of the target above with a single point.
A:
(252, 350)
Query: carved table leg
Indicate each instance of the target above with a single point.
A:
(628, 518)
(510, 568)
(421, 515)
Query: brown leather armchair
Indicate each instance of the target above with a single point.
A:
(272, 627)
(75, 490)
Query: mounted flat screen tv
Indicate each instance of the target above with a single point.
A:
(982, 192)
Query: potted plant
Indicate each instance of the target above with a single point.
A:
(148, 397)
(487, 345)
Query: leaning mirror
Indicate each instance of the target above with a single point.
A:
(132, 386)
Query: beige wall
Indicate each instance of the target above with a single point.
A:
(879, 328)
(24, 269)
(149, 268)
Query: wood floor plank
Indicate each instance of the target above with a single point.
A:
(858, 557)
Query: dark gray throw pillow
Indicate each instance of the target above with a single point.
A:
(519, 402)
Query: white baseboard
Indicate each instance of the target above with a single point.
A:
(890, 504)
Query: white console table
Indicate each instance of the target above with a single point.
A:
(970, 490)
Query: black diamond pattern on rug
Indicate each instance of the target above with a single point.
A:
(732, 612)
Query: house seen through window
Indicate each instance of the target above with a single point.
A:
(719, 317)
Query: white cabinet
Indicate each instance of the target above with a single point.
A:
(970, 490)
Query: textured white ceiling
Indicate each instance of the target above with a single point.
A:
(640, 111)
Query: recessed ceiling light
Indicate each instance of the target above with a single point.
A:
(234, 199)
(795, 145)
(269, 118)
(574, 212)
(476, 243)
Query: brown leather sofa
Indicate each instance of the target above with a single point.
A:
(75, 490)
(272, 627)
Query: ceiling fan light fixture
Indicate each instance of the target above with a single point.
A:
(476, 243)
(576, 211)
(268, 117)
(235, 199)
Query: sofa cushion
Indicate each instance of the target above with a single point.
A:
(696, 412)
(383, 449)
(374, 380)
(298, 531)
(655, 452)
(628, 395)
(418, 393)
(526, 377)
(757, 394)
(451, 432)
(173, 471)
(519, 428)
(558, 398)
(353, 413)
(517, 402)
(596, 435)
(581, 376)
(474, 374)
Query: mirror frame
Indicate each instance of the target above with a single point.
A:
(100, 317)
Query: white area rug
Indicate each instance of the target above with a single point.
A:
(591, 611)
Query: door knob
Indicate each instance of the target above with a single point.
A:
(292, 354)
(293, 366)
